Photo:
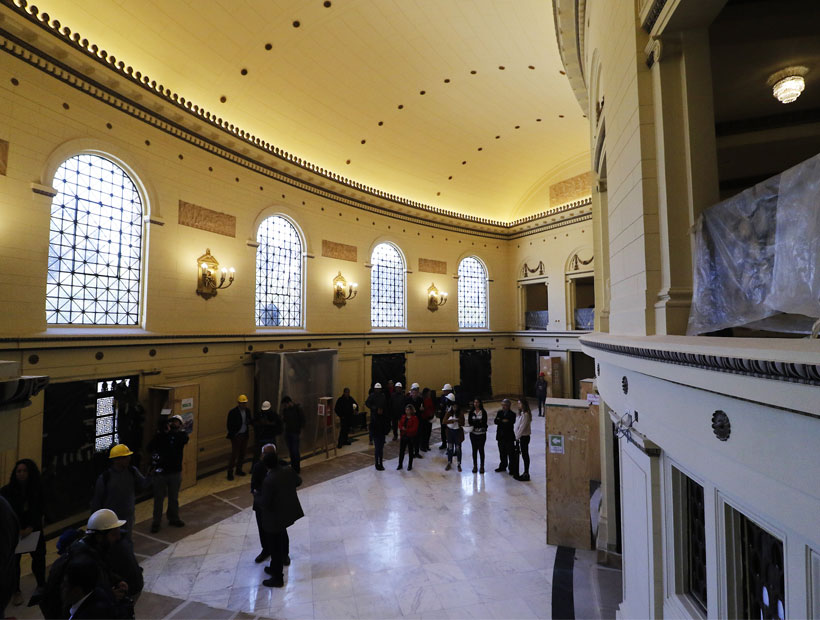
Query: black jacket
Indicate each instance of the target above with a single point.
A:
(541, 388)
(99, 605)
(344, 406)
(29, 510)
(267, 425)
(380, 424)
(258, 473)
(279, 502)
(505, 431)
(397, 404)
(234, 422)
(169, 447)
(417, 402)
(477, 421)
(294, 419)
(377, 400)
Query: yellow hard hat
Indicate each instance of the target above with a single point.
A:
(119, 450)
(242, 399)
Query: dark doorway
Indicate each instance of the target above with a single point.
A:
(476, 373)
(386, 366)
(81, 421)
(583, 367)
(530, 366)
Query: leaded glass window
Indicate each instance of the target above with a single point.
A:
(472, 293)
(387, 287)
(106, 424)
(95, 245)
(278, 274)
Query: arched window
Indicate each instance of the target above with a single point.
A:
(278, 274)
(95, 245)
(387, 287)
(472, 293)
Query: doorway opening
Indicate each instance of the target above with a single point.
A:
(536, 306)
(583, 367)
(475, 374)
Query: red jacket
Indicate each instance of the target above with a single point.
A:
(409, 425)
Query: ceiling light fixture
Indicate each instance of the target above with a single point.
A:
(788, 84)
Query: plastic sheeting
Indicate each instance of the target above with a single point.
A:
(757, 256)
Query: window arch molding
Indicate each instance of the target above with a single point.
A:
(289, 214)
(283, 213)
(405, 270)
(127, 162)
(486, 282)
(125, 159)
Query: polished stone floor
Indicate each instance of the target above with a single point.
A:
(427, 543)
(391, 544)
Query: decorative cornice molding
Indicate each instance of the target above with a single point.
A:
(808, 374)
(653, 14)
(343, 190)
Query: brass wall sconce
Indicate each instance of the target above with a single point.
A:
(435, 298)
(206, 284)
(342, 291)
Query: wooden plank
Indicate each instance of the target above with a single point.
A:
(588, 388)
(568, 521)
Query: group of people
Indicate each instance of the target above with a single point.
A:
(409, 418)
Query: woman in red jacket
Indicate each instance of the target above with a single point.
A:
(409, 427)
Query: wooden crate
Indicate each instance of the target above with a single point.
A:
(589, 394)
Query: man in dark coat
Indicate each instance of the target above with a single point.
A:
(280, 509)
(167, 447)
(238, 425)
(396, 408)
(505, 435)
(258, 474)
(267, 426)
(81, 594)
(441, 409)
(415, 399)
(377, 401)
(345, 407)
(294, 419)
(541, 393)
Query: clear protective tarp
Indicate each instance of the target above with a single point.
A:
(757, 256)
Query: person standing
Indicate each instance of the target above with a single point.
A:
(117, 487)
(505, 434)
(345, 407)
(454, 421)
(409, 427)
(167, 447)
(396, 408)
(379, 428)
(9, 537)
(24, 493)
(267, 426)
(443, 404)
(541, 393)
(477, 420)
(238, 425)
(376, 401)
(428, 411)
(258, 473)
(280, 509)
(294, 419)
(414, 398)
(522, 436)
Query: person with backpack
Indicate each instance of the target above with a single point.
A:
(117, 570)
(117, 487)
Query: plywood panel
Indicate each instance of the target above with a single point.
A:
(590, 394)
(568, 521)
(551, 367)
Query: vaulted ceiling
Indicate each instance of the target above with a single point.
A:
(459, 104)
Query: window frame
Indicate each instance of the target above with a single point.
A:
(302, 271)
(371, 265)
(486, 283)
(78, 148)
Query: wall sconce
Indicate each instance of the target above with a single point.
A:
(435, 298)
(342, 291)
(206, 284)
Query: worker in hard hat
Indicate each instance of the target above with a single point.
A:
(117, 567)
(167, 447)
(238, 425)
(414, 398)
(443, 405)
(267, 426)
(118, 486)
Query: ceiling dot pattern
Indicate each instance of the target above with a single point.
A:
(319, 76)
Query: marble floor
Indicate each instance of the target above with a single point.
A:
(394, 544)
(426, 543)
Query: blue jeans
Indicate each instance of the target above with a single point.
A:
(453, 445)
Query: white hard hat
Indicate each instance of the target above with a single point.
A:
(103, 520)
(451, 397)
(415, 386)
(178, 417)
(398, 384)
(266, 405)
(447, 386)
(378, 385)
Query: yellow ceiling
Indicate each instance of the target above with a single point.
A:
(322, 89)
